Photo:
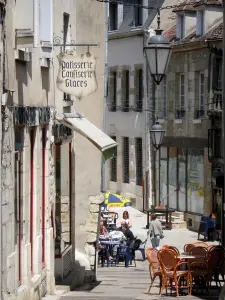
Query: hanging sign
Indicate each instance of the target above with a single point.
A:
(76, 74)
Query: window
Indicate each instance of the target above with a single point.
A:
(126, 91)
(182, 91)
(113, 16)
(217, 73)
(201, 96)
(200, 23)
(182, 27)
(43, 193)
(113, 166)
(126, 160)
(138, 18)
(46, 22)
(139, 90)
(139, 166)
(32, 143)
(113, 91)
(66, 32)
(164, 98)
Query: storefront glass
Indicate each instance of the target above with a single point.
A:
(181, 152)
(195, 181)
(172, 178)
(163, 175)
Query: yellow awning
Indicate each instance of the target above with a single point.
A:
(97, 137)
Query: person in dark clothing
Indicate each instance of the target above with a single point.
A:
(128, 234)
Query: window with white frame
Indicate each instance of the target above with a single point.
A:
(182, 27)
(113, 16)
(201, 95)
(46, 22)
(200, 28)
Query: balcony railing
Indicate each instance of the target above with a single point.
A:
(180, 114)
(216, 103)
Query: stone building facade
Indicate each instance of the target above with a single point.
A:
(183, 169)
(130, 112)
(50, 175)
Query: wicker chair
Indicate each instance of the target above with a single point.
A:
(154, 267)
(215, 261)
(188, 247)
(199, 267)
(171, 271)
(200, 244)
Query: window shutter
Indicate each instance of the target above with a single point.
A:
(46, 22)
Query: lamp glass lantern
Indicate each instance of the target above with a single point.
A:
(158, 51)
(157, 134)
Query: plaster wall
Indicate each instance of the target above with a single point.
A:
(126, 124)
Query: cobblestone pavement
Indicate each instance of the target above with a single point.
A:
(120, 283)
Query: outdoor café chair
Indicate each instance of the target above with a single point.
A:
(215, 261)
(199, 267)
(154, 267)
(172, 271)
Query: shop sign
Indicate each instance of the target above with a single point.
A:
(76, 75)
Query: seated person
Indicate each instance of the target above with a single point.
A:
(102, 248)
(103, 233)
(125, 219)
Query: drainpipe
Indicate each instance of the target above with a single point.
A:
(223, 131)
(105, 91)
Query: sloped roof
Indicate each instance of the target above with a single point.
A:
(214, 34)
(128, 13)
(192, 5)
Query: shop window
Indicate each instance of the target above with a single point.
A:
(172, 180)
(126, 160)
(113, 166)
(181, 153)
(195, 181)
(139, 166)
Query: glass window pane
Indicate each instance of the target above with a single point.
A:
(163, 174)
(182, 179)
(172, 178)
(195, 180)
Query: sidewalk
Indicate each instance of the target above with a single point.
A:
(120, 283)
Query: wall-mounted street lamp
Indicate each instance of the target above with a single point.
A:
(158, 52)
(157, 133)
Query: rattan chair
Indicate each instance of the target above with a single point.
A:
(154, 267)
(172, 272)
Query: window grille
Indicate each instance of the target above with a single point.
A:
(126, 160)
(139, 166)
(138, 19)
(113, 16)
(113, 167)
(139, 90)
(126, 91)
(112, 91)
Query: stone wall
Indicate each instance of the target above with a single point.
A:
(92, 227)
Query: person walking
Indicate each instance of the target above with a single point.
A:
(155, 231)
